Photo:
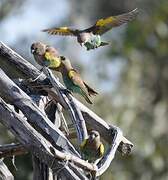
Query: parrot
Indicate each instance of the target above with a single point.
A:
(45, 55)
(73, 80)
(92, 147)
(48, 56)
(91, 37)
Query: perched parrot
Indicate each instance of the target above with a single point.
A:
(45, 55)
(48, 56)
(92, 147)
(73, 80)
(90, 37)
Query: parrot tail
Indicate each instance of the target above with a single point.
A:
(90, 90)
(86, 97)
(104, 43)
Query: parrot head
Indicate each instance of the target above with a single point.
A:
(38, 48)
(94, 136)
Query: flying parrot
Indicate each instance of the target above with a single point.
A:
(48, 56)
(90, 37)
(92, 147)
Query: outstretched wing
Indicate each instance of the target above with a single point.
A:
(105, 24)
(64, 31)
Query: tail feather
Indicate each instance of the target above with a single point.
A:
(87, 99)
(104, 43)
(90, 90)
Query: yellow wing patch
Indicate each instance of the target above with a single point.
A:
(71, 74)
(103, 22)
(53, 62)
(60, 31)
(63, 30)
(101, 150)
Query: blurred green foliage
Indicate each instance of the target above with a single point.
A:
(139, 101)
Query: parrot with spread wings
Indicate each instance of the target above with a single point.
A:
(91, 37)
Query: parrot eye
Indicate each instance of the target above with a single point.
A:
(47, 46)
(62, 58)
(33, 50)
(96, 135)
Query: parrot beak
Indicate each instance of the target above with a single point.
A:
(92, 137)
(82, 44)
(32, 51)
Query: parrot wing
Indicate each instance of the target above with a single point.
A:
(51, 60)
(77, 80)
(101, 149)
(63, 31)
(105, 24)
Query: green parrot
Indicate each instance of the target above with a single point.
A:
(92, 147)
(90, 37)
(73, 80)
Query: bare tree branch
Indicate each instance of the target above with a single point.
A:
(35, 142)
(9, 150)
(5, 174)
(21, 100)
(75, 113)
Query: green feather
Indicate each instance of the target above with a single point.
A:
(93, 42)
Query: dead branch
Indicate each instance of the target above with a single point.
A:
(5, 174)
(9, 150)
(75, 113)
(14, 95)
(35, 142)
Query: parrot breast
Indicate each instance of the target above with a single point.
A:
(93, 42)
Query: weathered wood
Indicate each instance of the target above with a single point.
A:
(40, 170)
(21, 100)
(105, 162)
(18, 63)
(35, 142)
(75, 113)
(5, 174)
(9, 150)
(97, 123)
